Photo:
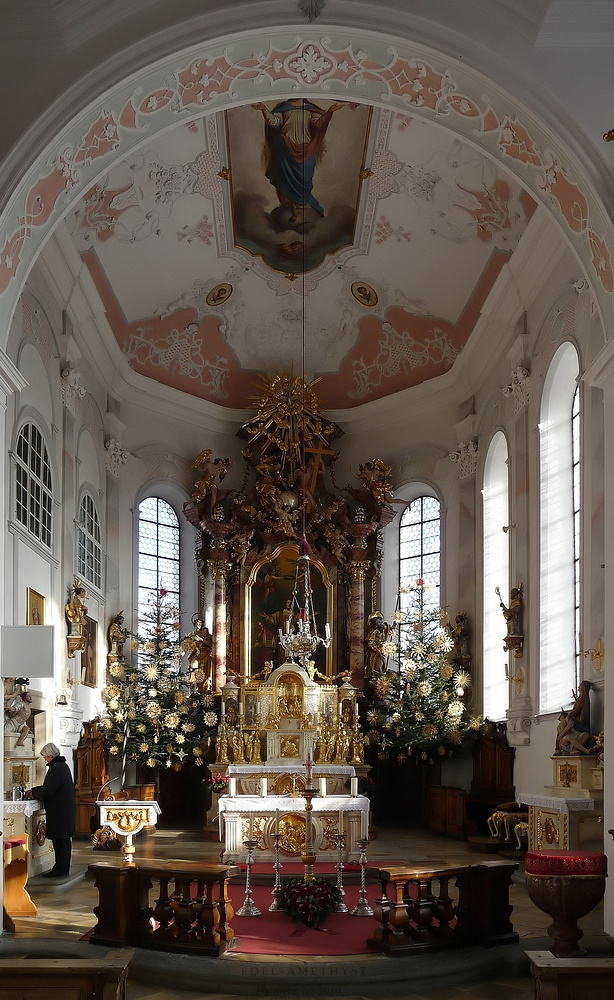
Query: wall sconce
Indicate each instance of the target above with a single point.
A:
(596, 653)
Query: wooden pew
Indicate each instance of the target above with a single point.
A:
(69, 978)
(567, 978)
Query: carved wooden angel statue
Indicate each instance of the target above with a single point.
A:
(212, 472)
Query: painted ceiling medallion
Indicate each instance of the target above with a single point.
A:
(364, 293)
(311, 8)
(218, 295)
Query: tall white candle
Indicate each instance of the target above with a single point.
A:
(354, 786)
(363, 825)
(232, 787)
(251, 826)
(323, 787)
(263, 787)
(223, 708)
(277, 821)
(341, 821)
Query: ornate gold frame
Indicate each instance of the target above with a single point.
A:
(246, 610)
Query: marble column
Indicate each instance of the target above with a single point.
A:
(355, 573)
(219, 571)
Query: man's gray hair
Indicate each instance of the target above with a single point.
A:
(50, 750)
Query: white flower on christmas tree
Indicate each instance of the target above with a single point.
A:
(210, 718)
(169, 762)
(120, 716)
(475, 723)
(143, 747)
(108, 723)
(419, 716)
(397, 617)
(151, 671)
(208, 700)
(389, 648)
(420, 650)
(113, 704)
(150, 762)
(180, 738)
(396, 716)
(456, 709)
(116, 669)
(153, 710)
(113, 750)
(140, 728)
(171, 720)
(424, 689)
(111, 691)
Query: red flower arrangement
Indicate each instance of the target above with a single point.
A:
(218, 783)
(309, 902)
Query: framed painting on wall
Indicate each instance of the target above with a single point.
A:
(89, 656)
(35, 608)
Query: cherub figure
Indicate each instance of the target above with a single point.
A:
(212, 474)
(374, 476)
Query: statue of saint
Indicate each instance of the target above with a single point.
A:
(377, 634)
(116, 636)
(198, 645)
(75, 609)
(17, 712)
(573, 734)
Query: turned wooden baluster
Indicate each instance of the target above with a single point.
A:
(226, 911)
(443, 909)
(208, 913)
(421, 908)
(163, 912)
(185, 916)
(381, 912)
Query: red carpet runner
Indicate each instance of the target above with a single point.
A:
(275, 934)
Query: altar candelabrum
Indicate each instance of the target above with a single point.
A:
(362, 908)
(340, 907)
(277, 866)
(308, 855)
(249, 908)
(300, 642)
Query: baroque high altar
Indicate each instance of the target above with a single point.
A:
(280, 706)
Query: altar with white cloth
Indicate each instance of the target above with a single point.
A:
(277, 779)
(258, 818)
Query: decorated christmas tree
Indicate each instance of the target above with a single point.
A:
(155, 716)
(418, 694)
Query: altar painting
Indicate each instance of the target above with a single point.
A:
(268, 600)
(296, 176)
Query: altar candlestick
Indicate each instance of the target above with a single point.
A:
(277, 821)
(354, 786)
(341, 821)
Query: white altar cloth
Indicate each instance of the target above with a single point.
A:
(26, 806)
(561, 803)
(348, 770)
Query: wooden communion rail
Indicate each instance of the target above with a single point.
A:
(194, 914)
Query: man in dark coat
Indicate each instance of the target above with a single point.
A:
(57, 793)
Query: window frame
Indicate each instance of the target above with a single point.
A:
(24, 470)
(88, 536)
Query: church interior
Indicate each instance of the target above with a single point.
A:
(307, 311)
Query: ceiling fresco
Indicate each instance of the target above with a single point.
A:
(378, 234)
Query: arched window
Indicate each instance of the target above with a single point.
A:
(559, 467)
(496, 570)
(33, 496)
(89, 550)
(420, 551)
(158, 566)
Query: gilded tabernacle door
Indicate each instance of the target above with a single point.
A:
(267, 601)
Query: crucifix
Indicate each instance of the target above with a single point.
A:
(317, 452)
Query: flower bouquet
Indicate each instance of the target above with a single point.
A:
(218, 783)
(308, 902)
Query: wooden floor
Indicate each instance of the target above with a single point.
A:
(69, 914)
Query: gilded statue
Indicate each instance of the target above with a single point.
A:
(212, 472)
(75, 609)
(374, 476)
(198, 645)
(377, 634)
(116, 636)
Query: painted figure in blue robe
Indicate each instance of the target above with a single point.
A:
(294, 137)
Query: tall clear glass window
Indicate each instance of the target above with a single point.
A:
(496, 570)
(420, 551)
(559, 460)
(33, 487)
(89, 551)
(158, 567)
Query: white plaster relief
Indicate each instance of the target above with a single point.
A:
(71, 388)
(519, 388)
(466, 459)
(116, 458)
